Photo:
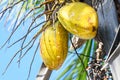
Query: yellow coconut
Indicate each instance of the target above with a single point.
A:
(54, 46)
(79, 19)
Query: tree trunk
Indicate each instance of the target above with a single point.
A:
(108, 26)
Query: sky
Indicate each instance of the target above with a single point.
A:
(14, 72)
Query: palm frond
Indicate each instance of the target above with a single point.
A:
(75, 70)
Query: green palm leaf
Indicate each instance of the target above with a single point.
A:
(75, 70)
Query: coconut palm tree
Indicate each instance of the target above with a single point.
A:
(35, 14)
